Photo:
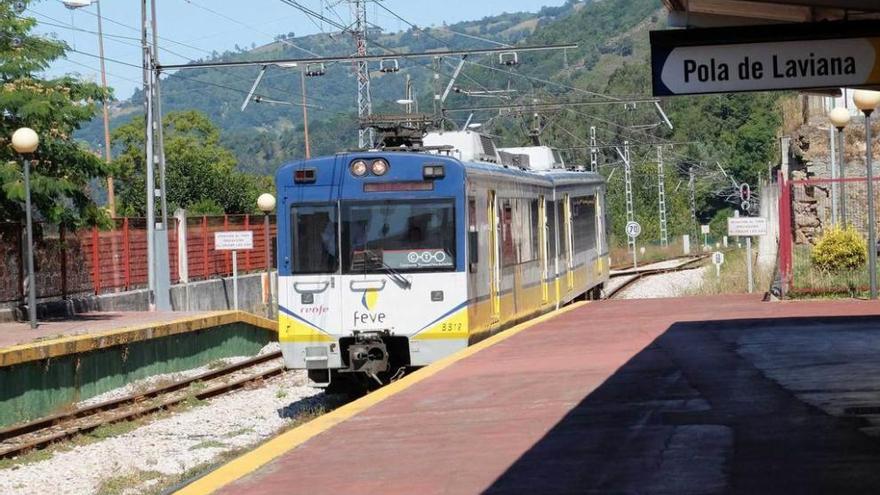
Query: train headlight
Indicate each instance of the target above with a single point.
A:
(358, 168)
(379, 167)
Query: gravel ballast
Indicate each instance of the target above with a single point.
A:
(170, 445)
(672, 284)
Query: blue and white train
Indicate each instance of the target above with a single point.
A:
(390, 260)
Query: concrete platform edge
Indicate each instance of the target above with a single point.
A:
(285, 442)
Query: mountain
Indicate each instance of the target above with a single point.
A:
(266, 134)
(612, 58)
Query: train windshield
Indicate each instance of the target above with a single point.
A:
(314, 239)
(402, 236)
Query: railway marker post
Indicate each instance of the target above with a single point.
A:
(234, 241)
(633, 229)
(718, 260)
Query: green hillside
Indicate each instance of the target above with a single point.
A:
(612, 58)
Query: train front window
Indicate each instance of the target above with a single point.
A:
(314, 239)
(400, 236)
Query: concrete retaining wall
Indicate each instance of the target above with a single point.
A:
(208, 295)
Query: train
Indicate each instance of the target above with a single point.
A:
(391, 259)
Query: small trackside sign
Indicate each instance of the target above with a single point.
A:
(234, 241)
(762, 58)
(746, 226)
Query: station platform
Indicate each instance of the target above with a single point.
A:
(92, 331)
(720, 394)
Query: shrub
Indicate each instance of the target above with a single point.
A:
(839, 249)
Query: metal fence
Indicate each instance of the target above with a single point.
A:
(101, 261)
(807, 209)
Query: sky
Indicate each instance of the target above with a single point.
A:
(192, 29)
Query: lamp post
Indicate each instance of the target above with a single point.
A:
(867, 101)
(25, 141)
(840, 117)
(266, 203)
(108, 156)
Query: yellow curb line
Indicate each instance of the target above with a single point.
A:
(73, 344)
(287, 441)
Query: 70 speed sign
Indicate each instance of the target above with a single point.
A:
(633, 229)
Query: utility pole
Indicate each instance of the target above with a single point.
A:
(365, 106)
(108, 153)
(693, 197)
(627, 177)
(158, 277)
(302, 80)
(148, 140)
(661, 190)
(594, 151)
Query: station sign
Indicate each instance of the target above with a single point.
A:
(746, 226)
(239, 240)
(762, 58)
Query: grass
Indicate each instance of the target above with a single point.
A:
(622, 255)
(810, 281)
(208, 444)
(125, 483)
(734, 276)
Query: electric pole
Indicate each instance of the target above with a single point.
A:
(365, 106)
(594, 151)
(158, 276)
(627, 177)
(661, 193)
(693, 197)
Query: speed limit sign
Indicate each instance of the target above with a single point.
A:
(633, 229)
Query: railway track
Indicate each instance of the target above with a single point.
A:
(637, 274)
(22, 438)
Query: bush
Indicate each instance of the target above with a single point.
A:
(839, 249)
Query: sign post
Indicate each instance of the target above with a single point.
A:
(747, 227)
(234, 241)
(633, 229)
(718, 260)
(765, 58)
(704, 229)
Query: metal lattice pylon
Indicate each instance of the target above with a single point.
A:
(364, 102)
(628, 191)
(661, 194)
(693, 198)
(594, 151)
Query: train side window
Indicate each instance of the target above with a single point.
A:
(314, 232)
(583, 219)
(473, 235)
(508, 248)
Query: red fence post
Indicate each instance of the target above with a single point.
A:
(205, 246)
(96, 267)
(785, 241)
(247, 254)
(63, 240)
(126, 254)
(20, 249)
(226, 253)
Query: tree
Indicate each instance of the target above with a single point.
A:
(200, 172)
(55, 108)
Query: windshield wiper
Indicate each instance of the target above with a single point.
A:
(393, 274)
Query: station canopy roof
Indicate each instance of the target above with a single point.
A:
(712, 13)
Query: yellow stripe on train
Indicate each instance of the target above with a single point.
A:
(294, 330)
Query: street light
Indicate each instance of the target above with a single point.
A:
(840, 117)
(266, 203)
(867, 101)
(108, 152)
(25, 142)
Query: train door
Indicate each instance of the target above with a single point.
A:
(494, 259)
(569, 248)
(543, 250)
